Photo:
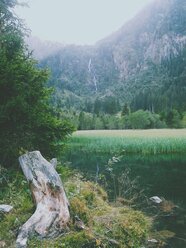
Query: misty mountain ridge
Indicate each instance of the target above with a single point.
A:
(42, 49)
(143, 64)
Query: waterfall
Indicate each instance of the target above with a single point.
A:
(92, 74)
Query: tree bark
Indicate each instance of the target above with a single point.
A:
(51, 216)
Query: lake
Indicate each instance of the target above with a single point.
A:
(162, 175)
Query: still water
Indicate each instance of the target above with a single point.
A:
(157, 175)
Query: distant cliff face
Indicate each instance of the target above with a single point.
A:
(156, 34)
(139, 59)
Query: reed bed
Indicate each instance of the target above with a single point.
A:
(164, 141)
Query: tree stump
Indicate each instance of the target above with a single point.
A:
(52, 208)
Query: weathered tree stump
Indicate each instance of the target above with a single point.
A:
(52, 208)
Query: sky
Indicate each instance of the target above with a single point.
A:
(77, 21)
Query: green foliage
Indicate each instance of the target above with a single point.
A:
(136, 120)
(139, 119)
(143, 120)
(173, 118)
(27, 121)
(108, 104)
(64, 171)
(85, 121)
(125, 110)
(183, 121)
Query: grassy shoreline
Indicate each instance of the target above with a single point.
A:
(154, 141)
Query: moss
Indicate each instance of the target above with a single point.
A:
(133, 226)
(106, 222)
(101, 193)
(82, 239)
(105, 225)
(79, 208)
(127, 226)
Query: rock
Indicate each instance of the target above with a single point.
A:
(154, 241)
(156, 199)
(5, 208)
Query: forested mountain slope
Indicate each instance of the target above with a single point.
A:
(143, 64)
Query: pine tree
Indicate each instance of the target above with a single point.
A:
(27, 122)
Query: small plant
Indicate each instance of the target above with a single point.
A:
(110, 169)
(129, 189)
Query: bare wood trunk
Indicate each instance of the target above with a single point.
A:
(52, 208)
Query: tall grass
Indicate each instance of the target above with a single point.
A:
(144, 142)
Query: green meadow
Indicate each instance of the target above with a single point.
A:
(154, 141)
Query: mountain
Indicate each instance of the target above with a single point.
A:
(143, 64)
(42, 49)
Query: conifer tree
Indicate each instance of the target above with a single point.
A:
(27, 121)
